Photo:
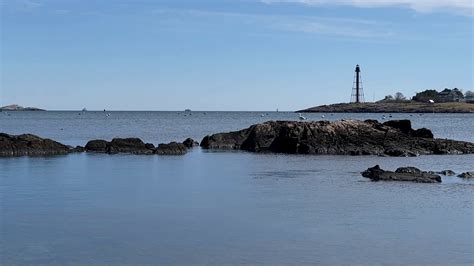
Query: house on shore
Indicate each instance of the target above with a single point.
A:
(448, 95)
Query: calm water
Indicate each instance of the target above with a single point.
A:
(225, 207)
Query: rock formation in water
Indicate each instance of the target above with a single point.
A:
(190, 143)
(410, 174)
(444, 172)
(30, 145)
(120, 145)
(134, 146)
(172, 148)
(345, 137)
(467, 175)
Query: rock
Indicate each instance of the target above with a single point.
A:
(97, 145)
(402, 125)
(410, 174)
(172, 148)
(150, 146)
(423, 133)
(408, 170)
(120, 145)
(77, 149)
(348, 137)
(190, 143)
(444, 172)
(29, 145)
(128, 145)
(467, 175)
(447, 172)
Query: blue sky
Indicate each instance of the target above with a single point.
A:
(228, 55)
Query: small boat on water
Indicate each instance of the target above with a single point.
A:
(84, 109)
(187, 110)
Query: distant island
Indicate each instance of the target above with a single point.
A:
(405, 107)
(16, 107)
(428, 101)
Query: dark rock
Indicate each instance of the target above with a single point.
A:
(190, 143)
(97, 145)
(120, 145)
(128, 145)
(403, 125)
(150, 146)
(29, 145)
(77, 149)
(410, 174)
(408, 170)
(349, 137)
(172, 148)
(467, 175)
(444, 172)
(447, 172)
(423, 133)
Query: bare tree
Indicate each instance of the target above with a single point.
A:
(399, 97)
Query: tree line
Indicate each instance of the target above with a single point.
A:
(424, 96)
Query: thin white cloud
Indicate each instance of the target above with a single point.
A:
(326, 26)
(463, 6)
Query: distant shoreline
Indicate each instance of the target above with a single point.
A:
(404, 107)
(18, 108)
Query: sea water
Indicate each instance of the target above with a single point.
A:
(225, 207)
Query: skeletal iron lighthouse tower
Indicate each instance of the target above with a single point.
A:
(357, 91)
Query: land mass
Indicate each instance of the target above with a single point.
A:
(392, 107)
(16, 107)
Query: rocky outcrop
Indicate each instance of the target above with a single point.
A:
(190, 143)
(410, 174)
(77, 149)
(29, 145)
(345, 137)
(467, 175)
(97, 145)
(444, 172)
(134, 146)
(130, 145)
(172, 148)
(120, 145)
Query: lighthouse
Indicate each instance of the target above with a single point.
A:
(357, 95)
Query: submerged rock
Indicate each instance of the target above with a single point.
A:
(410, 174)
(172, 148)
(467, 175)
(348, 137)
(190, 143)
(29, 145)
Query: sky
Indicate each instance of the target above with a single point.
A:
(238, 55)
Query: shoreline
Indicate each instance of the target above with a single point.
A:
(405, 107)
